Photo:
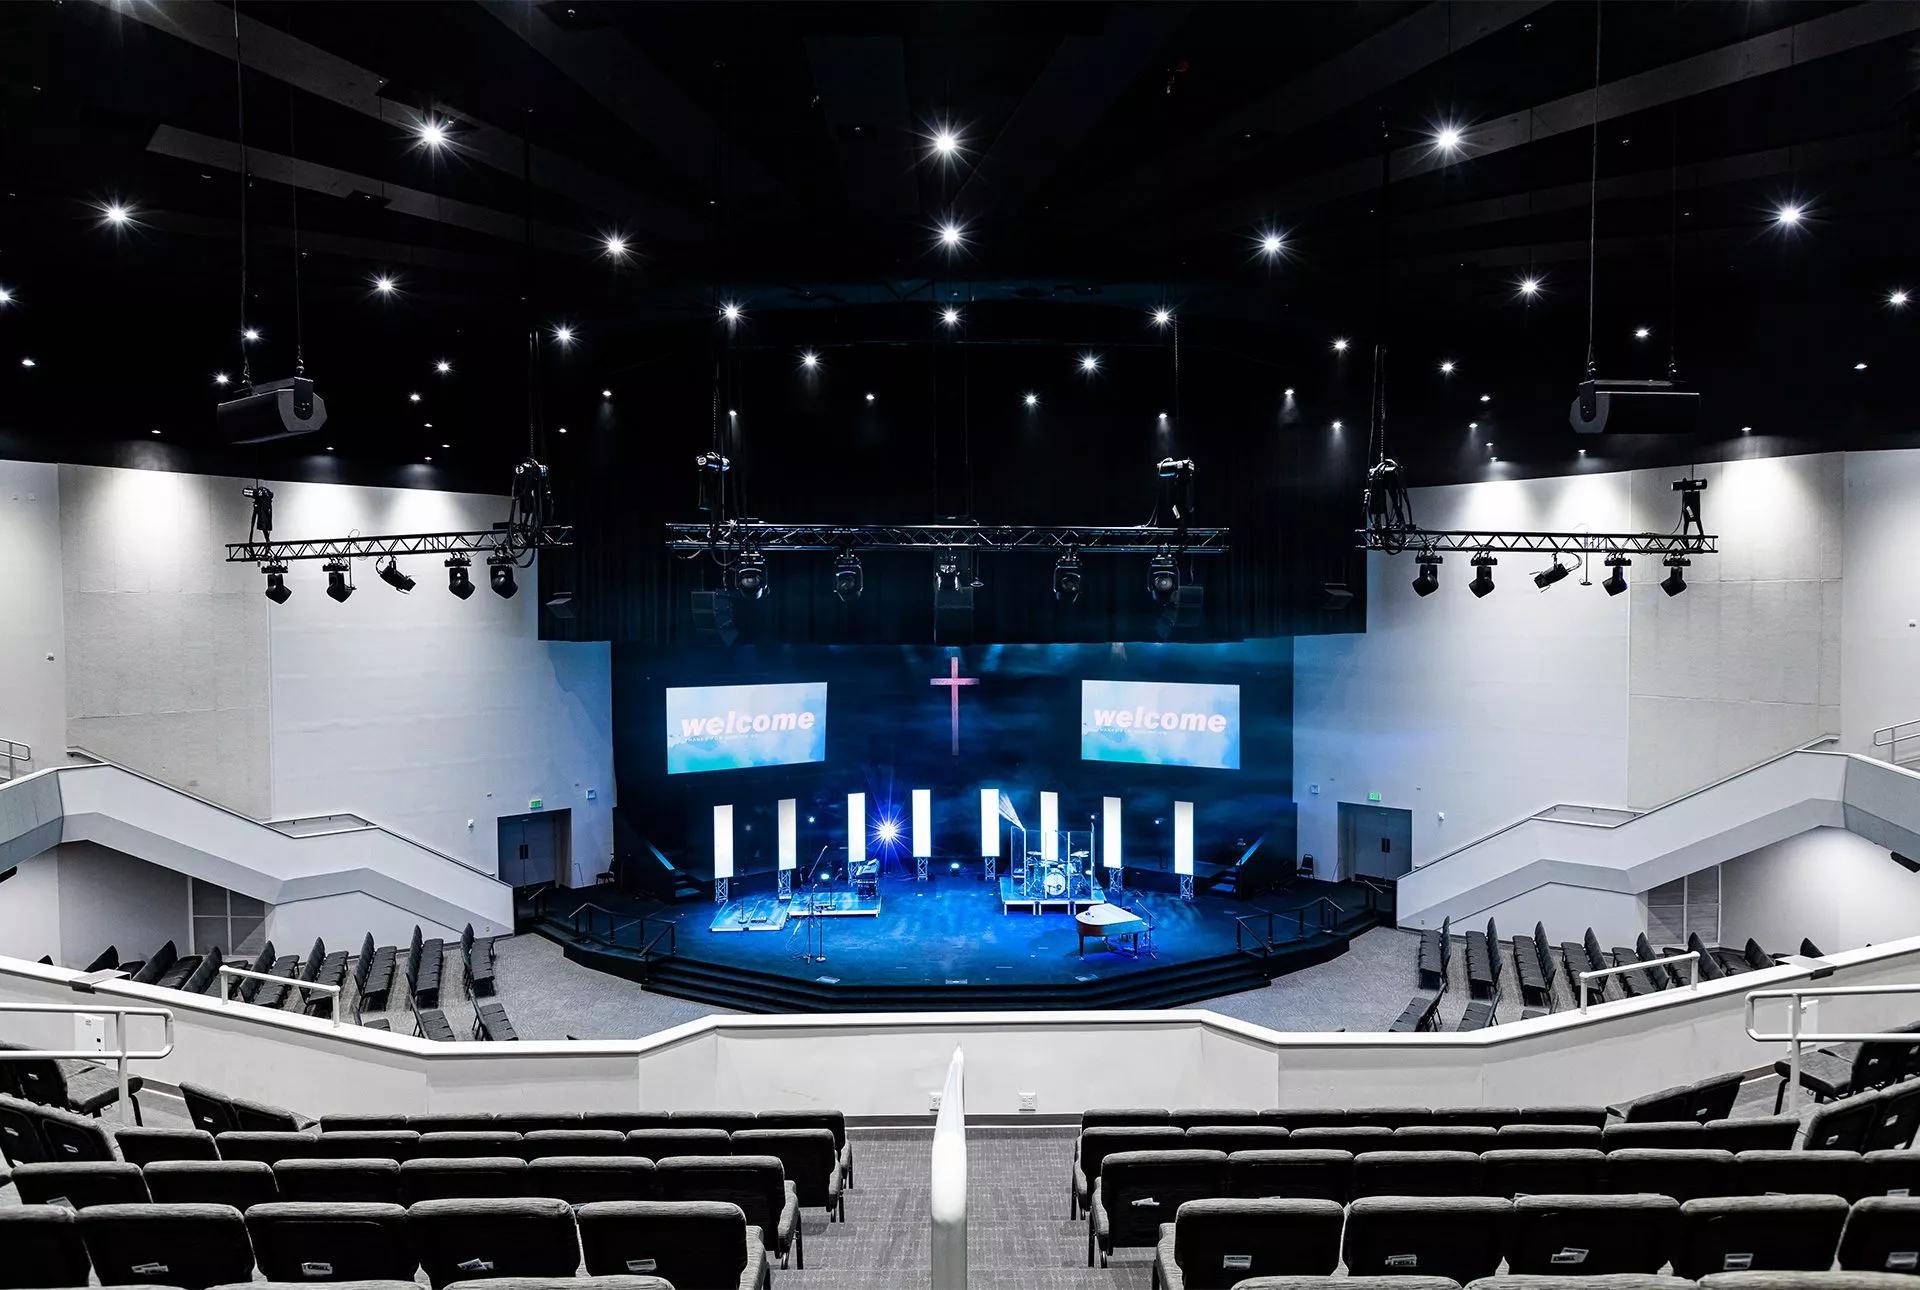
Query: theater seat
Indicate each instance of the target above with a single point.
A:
(757, 1184)
(305, 1241)
(1754, 1233)
(144, 1146)
(358, 1182)
(1349, 1283)
(1546, 1173)
(574, 1142)
(1604, 1281)
(1292, 1175)
(265, 1147)
(239, 1183)
(581, 1180)
(1882, 1234)
(469, 1144)
(809, 1159)
(659, 1144)
(1139, 1190)
(695, 1245)
(1216, 1244)
(1546, 1137)
(568, 1283)
(1588, 1235)
(471, 1239)
(191, 1246)
(369, 1144)
(1683, 1175)
(1417, 1173)
(80, 1185)
(1459, 1237)
(1807, 1281)
(1099, 1142)
(43, 1247)
(1763, 1173)
(482, 1176)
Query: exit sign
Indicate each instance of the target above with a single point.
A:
(533, 803)
(1373, 797)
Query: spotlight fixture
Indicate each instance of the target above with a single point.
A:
(1067, 578)
(1788, 216)
(1089, 363)
(1340, 345)
(730, 312)
(563, 335)
(952, 236)
(391, 575)
(1287, 393)
(1552, 573)
(1859, 367)
(500, 575)
(1031, 400)
(848, 579)
(1163, 578)
(443, 367)
(460, 576)
(950, 317)
(1271, 244)
(432, 133)
(221, 378)
(339, 580)
(615, 246)
(1641, 333)
(1675, 582)
(1486, 398)
(1161, 317)
(384, 284)
(809, 360)
(1337, 423)
(6, 297)
(1447, 138)
(250, 334)
(277, 589)
(606, 394)
(870, 396)
(1897, 300)
(115, 214)
(1529, 287)
(1617, 576)
(945, 142)
(27, 362)
(1446, 367)
(1482, 575)
(750, 575)
(1427, 581)
(413, 397)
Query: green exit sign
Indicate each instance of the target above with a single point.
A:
(533, 803)
(1373, 797)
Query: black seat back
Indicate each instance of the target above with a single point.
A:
(577, 1142)
(1590, 1235)
(81, 1185)
(660, 1144)
(1896, 1118)
(1759, 1133)
(1547, 1137)
(1444, 1137)
(689, 1243)
(1576, 1172)
(1758, 1233)
(465, 1239)
(266, 1147)
(730, 1121)
(757, 1184)
(1140, 1190)
(144, 1146)
(1122, 1117)
(1683, 1175)
(1842, 1126)
(191, 1246)
(1882, 1235)
(807, 1157)
(20, 1140)
(239, 1183)
(1417, 1173)
(352, 1182)
(1291, 1174)
(1666, 1135)
(1186, 1117)
(1712, 1098)
(1458, 1237)
(1235, 1137)
(303, 1241)
(467, 1144)
(156, 967)
(581, 1180)
(1355, 1138)
(367, 1144)
(43, 1247)
(467, 1178)
(1220, 1243)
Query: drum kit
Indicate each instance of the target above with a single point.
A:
(1057, 879)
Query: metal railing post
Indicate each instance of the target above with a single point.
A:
(1793, 1054)
(334, 992)
(120, 1055)
(1692, 958)
(120, 1066)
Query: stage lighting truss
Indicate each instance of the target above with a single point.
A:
(1054, 540)
(483, 541)
(1421, 541)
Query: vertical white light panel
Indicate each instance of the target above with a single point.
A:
(922, 822)
(723, 841)
(856, 827)
(1183, 837)
(1110, 832)
(989, 822)
(1049, 826)
(789, 832)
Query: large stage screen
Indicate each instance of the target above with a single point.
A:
(1160, 723)
(728, 727)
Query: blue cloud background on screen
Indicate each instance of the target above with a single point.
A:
(728, 727)
(1161, 723)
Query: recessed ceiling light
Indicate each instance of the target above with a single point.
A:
(1340, 345)
(1473, 425)
(443, 367)
(221, 378)
(809, 360)
(1746, 429)
(563, 335)
(615, 245)
(383, 284)
(869, 398)
(562, 429)
(27, 362)
(1529, 287)
(426, 425)
(413, 398)
(1898, 299)
(1162, 417)
(116, 214)
(1486, 398)
(945, 142)
(156, 429)
(250, 334)
(731, 414)
(950, 317)
(730, 311)
(432, 133)
(1161, 317)
(952, 235)
(1287, 393)
(1271, 243)
(1859, 367)
(1446, 367)
(1447, 138)
(1031, 400)
(448, 445)
(1789, 214)
(1089, 363)
(1336, 425)
(429, 459)
(1641, 333)
(6, 297)
(606, 394)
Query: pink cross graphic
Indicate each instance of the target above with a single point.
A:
(953, 681)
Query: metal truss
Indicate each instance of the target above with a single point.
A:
(1420, 541)
(512, 541)
(1055, 539)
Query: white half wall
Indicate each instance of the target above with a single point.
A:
(33, 646)
(1832, 886)
(30, 911)
(107, 898)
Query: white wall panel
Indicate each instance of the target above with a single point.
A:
(1880, 634)
(33, 648)
(107, 898)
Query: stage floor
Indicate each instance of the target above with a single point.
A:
(952, 932)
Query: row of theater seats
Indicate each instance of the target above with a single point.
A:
(1213, 1244)
(691, 1244)
(1832, 1074)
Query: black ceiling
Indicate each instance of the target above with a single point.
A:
(1114, 157)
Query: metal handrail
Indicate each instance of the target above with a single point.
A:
(1795, 1036)
(332, 991)
(1892, 737)
(670, 931)
(14, 751)
(947, 1190)
(1541, 815)
(120, 1055)
(1690, 957)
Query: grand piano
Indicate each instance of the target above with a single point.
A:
(1107, 921)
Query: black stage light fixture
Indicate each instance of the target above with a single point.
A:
(1616, 580)
(848, 579)
(391, 575)
(1552, 573)
(460, 576)
(1427, 581)
(1163, 578)
(1675, 582)
(750, 574)
(500, 575)
(1482, 574)
(262, 510)
(277, 589)
(339, 579)
(1067, 578)
(271, 410)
